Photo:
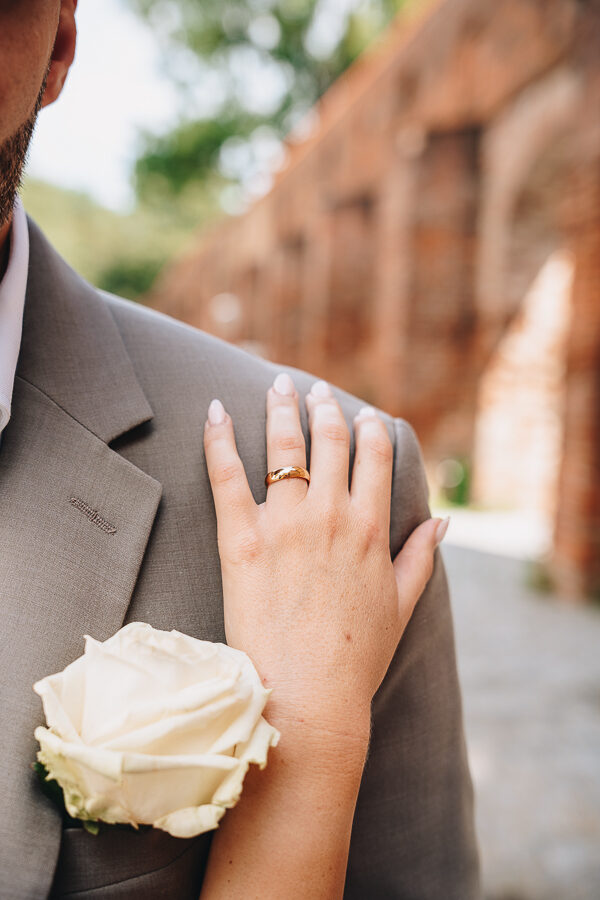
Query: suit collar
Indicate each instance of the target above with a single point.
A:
(12, 299)
(72, 350)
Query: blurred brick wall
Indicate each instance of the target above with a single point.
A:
(396, 251)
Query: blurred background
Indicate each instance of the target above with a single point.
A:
(404, 199)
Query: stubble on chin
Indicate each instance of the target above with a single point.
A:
(13, 156)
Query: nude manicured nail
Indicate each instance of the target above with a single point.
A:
(366, 411)
(284, 385)
(216, 413)
(440, 531)
(321, 390)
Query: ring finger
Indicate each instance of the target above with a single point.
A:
(285, 440)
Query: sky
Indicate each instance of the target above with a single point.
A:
(87, 140)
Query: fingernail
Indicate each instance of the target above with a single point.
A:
(284, 385)
(216, 413)
(366, 411)
(440, 531)
(321, 390)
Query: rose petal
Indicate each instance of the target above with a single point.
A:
(63, 699)
(213, 728)
(191, 821)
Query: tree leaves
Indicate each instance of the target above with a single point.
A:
(221, 35)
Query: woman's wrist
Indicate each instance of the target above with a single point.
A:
(318, 745)
(290, 832)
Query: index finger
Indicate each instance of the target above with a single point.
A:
(233, 498)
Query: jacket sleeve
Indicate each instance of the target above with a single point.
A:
(413, 835)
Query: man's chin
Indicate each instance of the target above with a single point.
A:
(13, 154)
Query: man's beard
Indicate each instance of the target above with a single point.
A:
(13, 155)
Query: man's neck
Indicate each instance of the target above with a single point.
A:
(4, 247)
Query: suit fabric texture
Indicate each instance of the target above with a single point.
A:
(109, 407)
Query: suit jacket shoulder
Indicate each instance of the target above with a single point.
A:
(170, 355)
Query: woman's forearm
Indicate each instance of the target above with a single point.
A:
(289, 835)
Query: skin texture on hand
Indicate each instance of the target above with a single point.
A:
(311, 593)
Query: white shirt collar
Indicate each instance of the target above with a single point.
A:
(12, 302)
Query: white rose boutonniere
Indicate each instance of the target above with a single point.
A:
(154, 727)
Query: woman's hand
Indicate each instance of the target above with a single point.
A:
(310, 593)
(309, 588)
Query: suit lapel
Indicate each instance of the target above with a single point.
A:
(75, 518)
(72, 349)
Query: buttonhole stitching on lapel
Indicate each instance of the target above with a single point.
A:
(93, 515)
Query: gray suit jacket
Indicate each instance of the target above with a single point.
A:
(109, 406)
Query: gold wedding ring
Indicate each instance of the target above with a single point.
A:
(286, 472)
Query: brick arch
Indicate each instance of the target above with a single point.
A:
(540, 195)
(514, 143)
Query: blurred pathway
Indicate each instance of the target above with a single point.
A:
(530, 672)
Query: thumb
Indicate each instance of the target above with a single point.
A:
(413, 565)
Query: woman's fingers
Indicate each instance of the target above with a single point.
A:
(372, 471)
(330, 444)
(234, 503)
(413, 566)
(285, 441)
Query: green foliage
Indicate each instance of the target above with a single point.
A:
(130, 277)
(456, 481)
(538, 576)
(291, 39)
(189, 153)
(117, 253)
